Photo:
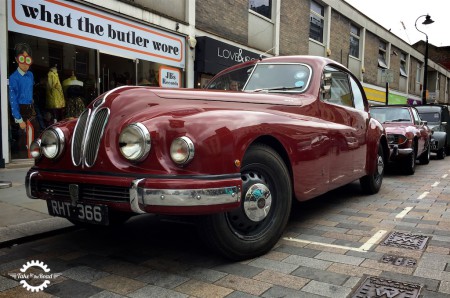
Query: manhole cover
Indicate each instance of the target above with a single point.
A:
(404, 240)
(399, 261)
(379, 287)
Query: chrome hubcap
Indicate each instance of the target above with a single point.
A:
(257, 202)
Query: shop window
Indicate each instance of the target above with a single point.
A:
(262, 7)
(403, 65)
(316, 21)
(354, 41)
(382, 54)
(81, 62)
(55, 56)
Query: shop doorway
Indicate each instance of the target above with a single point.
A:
(116, 71)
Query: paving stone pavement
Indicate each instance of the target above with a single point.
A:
(331, 245)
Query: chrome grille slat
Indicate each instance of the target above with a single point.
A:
(78, 136)
(98, 123)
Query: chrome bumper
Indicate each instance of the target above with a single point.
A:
(141, 197)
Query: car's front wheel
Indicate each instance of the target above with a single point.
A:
(441, 153)
(409, 164)
(371, 184)
(425, 157)
(255, 227)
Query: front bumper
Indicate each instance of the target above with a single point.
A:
(398, 153)
(174, 195)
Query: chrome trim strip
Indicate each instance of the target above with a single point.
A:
(134, 196)
(28, 185)
(189, 197)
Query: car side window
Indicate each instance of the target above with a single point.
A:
(340, 92)
(358, 98)
(416, 117)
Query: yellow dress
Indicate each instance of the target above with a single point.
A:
(55, 95)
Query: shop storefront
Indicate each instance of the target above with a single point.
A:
(378, 97)
(79, 52)
(212, 56)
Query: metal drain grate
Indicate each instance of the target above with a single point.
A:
(399, 261)
(404, 240)
(379, 287)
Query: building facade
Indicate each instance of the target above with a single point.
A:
(97, 45)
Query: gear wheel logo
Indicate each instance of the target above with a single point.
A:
(44, 284)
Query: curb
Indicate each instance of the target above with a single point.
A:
(5, 184)
(25, 232)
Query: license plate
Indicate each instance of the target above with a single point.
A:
(89, 213)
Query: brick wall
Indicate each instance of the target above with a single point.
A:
(227, 18)
(371, 58)
(294, 27)
(395, 67)
(340, 38)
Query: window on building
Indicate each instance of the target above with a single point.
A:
(354, 41)
(262, 7)
(382, 54)
(403, 65)
(316, 21)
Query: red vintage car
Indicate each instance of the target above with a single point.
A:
(298, 127)
(409, 137)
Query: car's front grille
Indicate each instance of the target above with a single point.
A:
(86, 191)
(97, 125)
(87, 136)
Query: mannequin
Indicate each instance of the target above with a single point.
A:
(73, 90)
(55, 97)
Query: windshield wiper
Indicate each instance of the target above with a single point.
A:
(276, 89)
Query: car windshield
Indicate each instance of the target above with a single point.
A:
(265, 77)
(433, 117)
(391, 114)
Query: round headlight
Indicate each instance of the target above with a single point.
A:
(182, 150)
(35, 149)
(134, 142)
(52, 142)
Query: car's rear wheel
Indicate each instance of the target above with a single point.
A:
(409, 164)
(425, 157)
(255, 227)
(371, 184)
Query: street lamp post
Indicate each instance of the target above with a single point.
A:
(427, 21)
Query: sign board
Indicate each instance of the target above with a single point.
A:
(169, 77)
(387, 76)
(73, 23)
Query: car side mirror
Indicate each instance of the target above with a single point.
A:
(443, 123)
(423, 122)
(325, 87)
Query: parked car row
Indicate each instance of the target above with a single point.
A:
(411, 136)
(298, 126)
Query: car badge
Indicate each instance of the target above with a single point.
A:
(74, 193)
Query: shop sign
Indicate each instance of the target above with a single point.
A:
(169, 77)
(76, 24)
(213, 56)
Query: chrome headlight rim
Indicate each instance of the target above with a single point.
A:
(188, 148)
(35, 149)
(144, 138)
(59, 143)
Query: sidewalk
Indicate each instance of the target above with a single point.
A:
(20, 216)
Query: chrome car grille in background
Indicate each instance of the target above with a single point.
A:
(86, 191)
(87, 136)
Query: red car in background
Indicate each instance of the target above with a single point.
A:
(409, 137)
(297, 127)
